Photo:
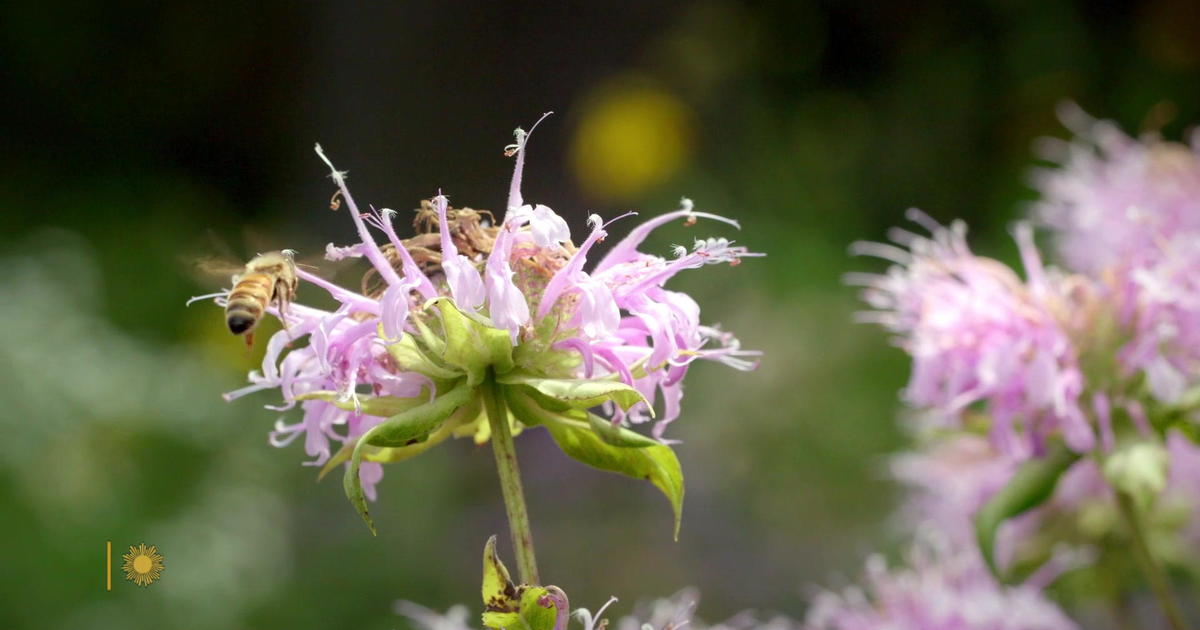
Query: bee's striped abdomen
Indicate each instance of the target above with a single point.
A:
(248, 301)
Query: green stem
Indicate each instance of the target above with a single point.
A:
(1153, 571)
(510, 480)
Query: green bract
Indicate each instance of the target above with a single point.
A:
(508, 606)
(1032, 485)
(460, 353)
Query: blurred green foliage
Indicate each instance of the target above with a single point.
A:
(135, 128)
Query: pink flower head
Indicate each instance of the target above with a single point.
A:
(977, 333)
(1114, 199)
(349, 368)
(943, 588)
(1127, 212)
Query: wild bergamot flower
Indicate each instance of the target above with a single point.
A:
(980, 335)
(470, 313)
(1127, 212)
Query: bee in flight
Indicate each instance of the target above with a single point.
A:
(267, 279)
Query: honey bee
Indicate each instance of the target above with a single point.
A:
(268, 278)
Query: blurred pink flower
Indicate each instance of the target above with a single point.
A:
(943, 588)
(1114, 199)
(1127, 212)
(977, 333)
(948, 481)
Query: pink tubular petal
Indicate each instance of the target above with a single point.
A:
(394, 309)
(507, 306)
(626, 249)
(466, 287)
(412, 273)
(562, 279)
(345, 296)
(370, 249)
(584, 350)
(514, 189)
(547, 228)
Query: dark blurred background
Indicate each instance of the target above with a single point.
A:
(139, 135)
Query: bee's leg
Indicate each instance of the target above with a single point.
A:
(281, 301)
(249, 340)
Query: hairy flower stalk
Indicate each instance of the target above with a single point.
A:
(510, 481)
(480, 328)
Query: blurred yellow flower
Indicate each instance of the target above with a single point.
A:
(630, 137)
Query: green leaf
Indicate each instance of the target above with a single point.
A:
(618, 435)
(577, 393)
(403, 429)
(472, 345)
(383, 406)
(391, 454)
(1190, 430)
(1032, 485)
(656, 464)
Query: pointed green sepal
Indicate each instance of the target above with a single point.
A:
(436, 344)
(1032, 485)
(471, 344)
(409, 357)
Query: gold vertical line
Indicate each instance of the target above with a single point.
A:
(108, 565)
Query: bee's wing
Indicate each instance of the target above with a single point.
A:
(215, 267)
(209, 259)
